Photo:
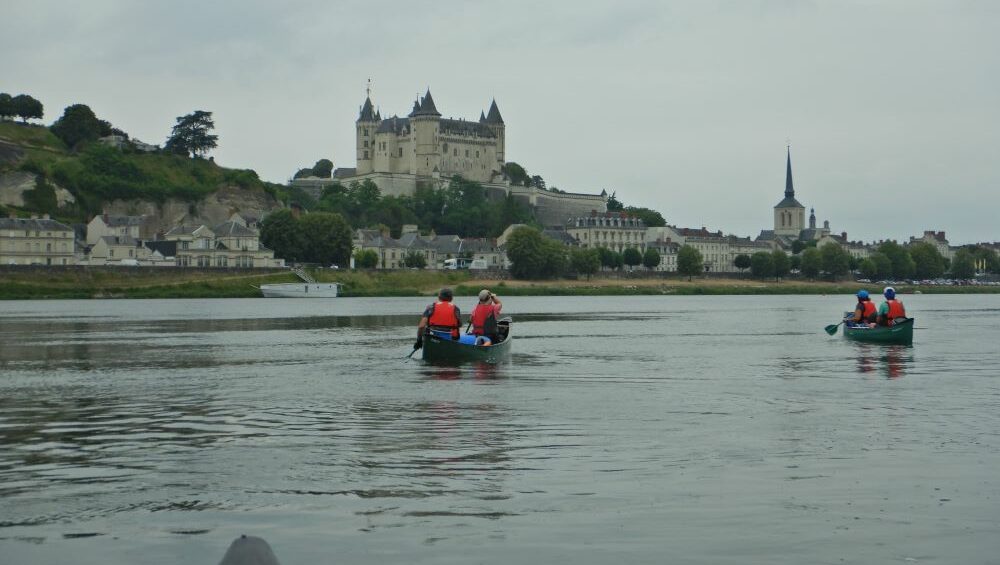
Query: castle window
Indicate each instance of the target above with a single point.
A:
(445, 147)
(366, 143)
(466, 152)
(454, 152)
(400, 151)
(477, 154)
(366, 132)
(366, 154)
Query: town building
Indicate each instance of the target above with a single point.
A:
(108, 225)
(718, 251)
(616, 231)
(938, 240)
(36, 241)
(229, 244)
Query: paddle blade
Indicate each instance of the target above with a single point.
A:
(831, 329)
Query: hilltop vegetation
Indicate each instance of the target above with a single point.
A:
(69, 156)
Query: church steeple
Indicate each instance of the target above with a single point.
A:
(812, 218)
(789, 189)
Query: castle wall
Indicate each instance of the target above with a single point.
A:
(475, 158)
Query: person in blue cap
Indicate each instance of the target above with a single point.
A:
(865, 311)
(891, 309)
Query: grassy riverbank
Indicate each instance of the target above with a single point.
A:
(127, 282)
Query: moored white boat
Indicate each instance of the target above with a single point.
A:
(300, 290)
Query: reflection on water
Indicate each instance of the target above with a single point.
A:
(892, 361)
(717, 429)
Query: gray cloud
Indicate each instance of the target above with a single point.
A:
(684, 107)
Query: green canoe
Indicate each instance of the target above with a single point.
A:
(900, 333)
(442, 350)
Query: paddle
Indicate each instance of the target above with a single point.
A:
(832, 328)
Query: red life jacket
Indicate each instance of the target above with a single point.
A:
(896, 310)
(869, 309)
(443, 317)
(479, 316)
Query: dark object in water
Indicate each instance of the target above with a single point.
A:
(249, 550)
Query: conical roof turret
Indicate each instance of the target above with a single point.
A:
(367, 113)
(426, 106)
(493, 117)
(482, 117)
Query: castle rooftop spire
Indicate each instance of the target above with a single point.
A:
(426, 107)
(493, 117)
(367, 113)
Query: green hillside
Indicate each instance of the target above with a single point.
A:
(95, 173)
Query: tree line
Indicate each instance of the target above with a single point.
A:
(21, 106)
(461, 207)
(535, 256)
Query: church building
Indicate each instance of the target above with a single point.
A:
(789, 215)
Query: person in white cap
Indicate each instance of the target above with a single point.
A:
(891, 309)
(484, 315)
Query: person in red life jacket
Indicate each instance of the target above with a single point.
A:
(865, 311)
(891, 309)
(489, 307)
(442, 316)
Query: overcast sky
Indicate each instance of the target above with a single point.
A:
(892, 108)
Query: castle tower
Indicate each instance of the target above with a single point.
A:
(789, 215)
(365, 126)
(495, 122)
(426, 122)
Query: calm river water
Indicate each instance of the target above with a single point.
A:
(636, 429)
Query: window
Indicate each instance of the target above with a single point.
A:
(366, 143)
(365, 130)
(454, 152)
(366, 154)
(466, 152)
(477, 154)
(400, 151)
(111, 253)
(48, 247)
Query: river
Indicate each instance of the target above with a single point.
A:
(708, 430)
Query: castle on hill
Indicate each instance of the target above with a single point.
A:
(423, 148)
(425, 144)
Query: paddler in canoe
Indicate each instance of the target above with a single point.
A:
(890, 310)
(442, 318)
(865, 311)
(483, 319)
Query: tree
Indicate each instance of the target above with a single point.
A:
(963, 265)
(742, 262)
(323, 168)
(781, 264)
(928, 262)
(812, 262)
(516, 174)
(836, 261)
(795, 262)
(869, 269)
(526, 251)
(762, 265)
(77, 125)
(607, 257)
(327, 238)
(282, 233)
(303, 173)
(650, 217)
(538, 182)
(6, 106)
(26, 107)
(883, 266)
(613, 204)
(902, 264)
(798, 246)
(415, 260)
(689, 261)
(651, 258)
(365, 259)
(632, 257)
(585, 261)
(192, 135)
